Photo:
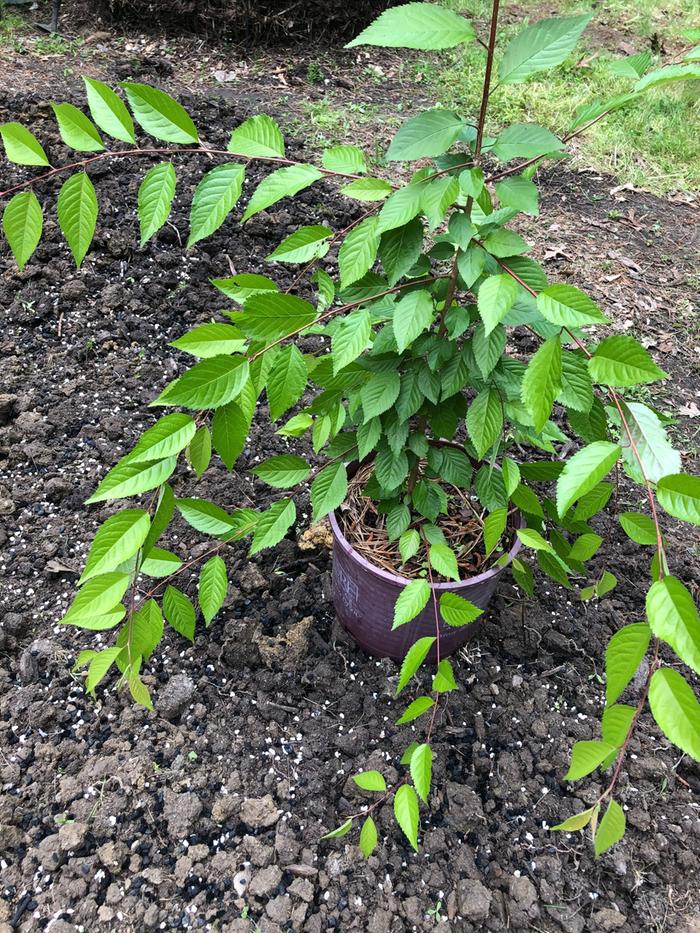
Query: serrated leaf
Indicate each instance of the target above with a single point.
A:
(412, 600)
(77, 214)
(368, 837)
(422, 770)
(622, 658)
(21, 146)
(282, 183)
(519, 193)
(621, 361)
(159, 115)
(576, 387)
(494, 526)
(304, 244)
(98, 597)
(457, 611)
(610, 829)
(540, 46)
(283, 471)
(209, 340)
(99, 666)
(350, 339)
(409, 543)
(199, 451)
(117, 539)
(616, 723)
(586, 757)
(257, 137)
(229, 432)
(341, 830)
(578, 821)
(412, 315)
(77, 130)
(130, 478)
(676, 710)
(400, 208)
(444, 679)
(347, 160)
(168, 436)
(415, 709)
(406, 813)
(213, 520)
(640, 528)
(497, 295)
(155, 199)
(585, 547)
(443, 561)
(674, 619)
(650, 441)
(160, 563)
(328, 490)
(679, 495)
(525, 141)
(583, 471)
(542, 382)
(22, 222)
(415, 656)
(358, 251)
(485, 420)
(241, 287)
(567, 306)
(367, 189)
(427, 134)
(502, 242)
(370, 780)
(488, 348)
(179, 612)
(273, 525)
(109, 111)
(209, 384)
(416, 26)
(213, 585)
(271, 315)
(380, 393)
(214, 197)
(286, 381)
(400, 248)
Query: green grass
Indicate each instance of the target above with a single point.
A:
(653, 143)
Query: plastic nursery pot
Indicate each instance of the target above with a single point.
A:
(364, 596)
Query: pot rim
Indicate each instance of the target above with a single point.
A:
(403, 581)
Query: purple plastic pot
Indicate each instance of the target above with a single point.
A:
(365, 595)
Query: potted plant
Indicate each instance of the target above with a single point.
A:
(439, 435)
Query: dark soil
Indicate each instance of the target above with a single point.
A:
(208, 813)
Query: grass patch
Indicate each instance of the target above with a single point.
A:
(653, 144)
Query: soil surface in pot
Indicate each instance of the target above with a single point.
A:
(209, 811)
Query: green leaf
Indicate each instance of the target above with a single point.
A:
(488, 348)
(297, 425)
(304, 244)
(494, 526)
(77, 131)
(542, 382)
(368, 837)
(21, 146)
(676, 710)
(400, 248)
(621, 362)
(444, 679)
(155, 199)
(497, 295)
(632, 66)
(525, 141)
(415, 709)
(380, 393)
(443, 561)
(214, 198)
(273, 525)
(109, 111)
(409, 542)
(118, 539)
(283, 471)
(77, 214)
(576, 387)
(168, 436)
(342, 830)
(567, 306)
(98, 597)
(257, 137)
(540, 46)
(229, 432)
(673, 618)
(358, 251)
(578, 821)
(533, 539)
(412, 315)
(585, 547)
(610, 829)
(367, 189)
(416, 26)
(370, 780)
(347, 160)
(406, 813)
(685, 72)
(209, 340)
(412, 600)
(161, 519)
(212, 520)
(511, 475)
(158, 114)
(519, 193)
(130, 478)
(640, 528)
(199, 451)
(141, 636)
(213, 585)
(179, 612)
(650, 442)
(271, 315)
(160, 563)
(208, 384)
(140, 693)
(586, 757)
(415, 656)
(457, 611)
(287, 381)
(502, 242)
(99, 666)
(240, 287)
(583, 471)
(616, 723)
(328, 490)
(485, 420)
(22, 222)
(622, 658)
(427, 134)
(401, 207)
(679, 495)
(422, 770)
(351, 339)
(282, 183)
